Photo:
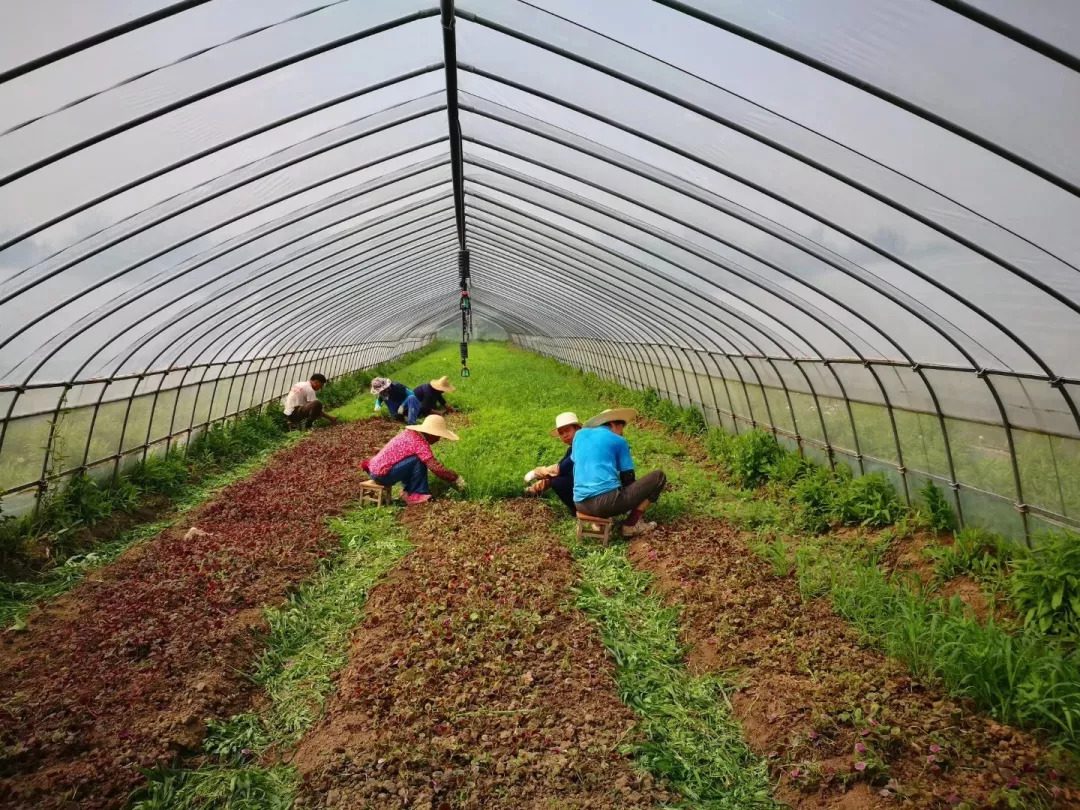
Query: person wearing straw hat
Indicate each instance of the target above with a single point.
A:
(428, 399)
(605, 484)
(407, 458)
(559, 478)
(392, 394)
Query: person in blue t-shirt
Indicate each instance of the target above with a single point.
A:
(604, 481)
(559, 478)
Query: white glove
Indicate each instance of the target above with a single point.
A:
(530, 476)
(377, 404)
(459, 483)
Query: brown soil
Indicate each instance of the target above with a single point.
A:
(908, 556)
(474, 683)
(123, 670)
(815, 702)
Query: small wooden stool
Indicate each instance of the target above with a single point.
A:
(377, 494)
(585, 529)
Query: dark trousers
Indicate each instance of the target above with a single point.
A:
(410, 472)
(563, 486)
(306, 413)
(622, 500)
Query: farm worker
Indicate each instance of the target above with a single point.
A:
(301, 405)
(604, 479)
(392, 394)
(407, 458)
(428, 398)
(558, 477)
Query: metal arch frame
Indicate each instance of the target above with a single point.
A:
(758, 105)
(228, 189)
(99, 38)
(213, 90)
(504, 256)
(1048, 374)
(505, 244)
(734, 176)
(699, 199)
(239, 243)
(424, 243)
(764, 332)
(983, 373)
(269, 304)
(756, 327)
(90, 358)
(749, 277)
(230, 245)
(1018, 35)
(633, 262)
(166, 65)
(214, 362)
(508, 241)
(794, 154)
(284, 262)
(226, 144)
(871, 89)
(585, 276)
(250, 315)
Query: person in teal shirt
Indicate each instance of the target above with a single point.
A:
(605, 484)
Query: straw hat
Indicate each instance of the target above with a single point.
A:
(564, 419)
(442, 384)
(611, 415)
(379, 384)
(435, 425)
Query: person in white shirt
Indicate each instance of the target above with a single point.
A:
(302, 406)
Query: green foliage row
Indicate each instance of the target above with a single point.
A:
(1025, 678)
(824, 498)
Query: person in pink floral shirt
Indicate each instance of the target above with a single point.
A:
(407, 458)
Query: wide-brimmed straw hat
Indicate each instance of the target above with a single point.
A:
(435, 425)
(564, 419)
(611, 415)
(442, 384)
(379, 384)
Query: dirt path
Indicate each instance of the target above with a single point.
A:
(473, 681)
(121, 672)
(844, 726)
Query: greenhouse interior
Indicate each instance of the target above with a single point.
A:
(791, 286)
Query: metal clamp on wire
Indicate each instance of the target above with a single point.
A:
(464, 359)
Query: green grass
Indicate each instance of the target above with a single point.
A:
(1026, 679)
(308, 642)
(691, 737)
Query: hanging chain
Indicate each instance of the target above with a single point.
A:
(466, 310)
